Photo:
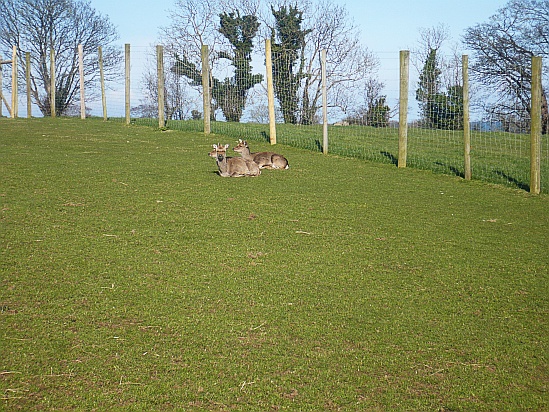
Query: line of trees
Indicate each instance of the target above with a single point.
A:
(504, 45)
(299, 32)
(501, 49)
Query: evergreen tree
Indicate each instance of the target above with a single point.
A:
(288, 52)
(378, 113)
(446, 109)
(428, 86)
(230, 94)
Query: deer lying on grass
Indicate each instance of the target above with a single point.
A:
(232, 166)
(265, 160)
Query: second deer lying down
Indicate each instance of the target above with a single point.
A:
(233, 166)
(265, 160)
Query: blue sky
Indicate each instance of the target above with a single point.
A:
(386, 26)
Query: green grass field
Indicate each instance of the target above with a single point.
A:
(134, 278)
(496, 157)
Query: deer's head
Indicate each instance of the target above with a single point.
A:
(242, 144)
(219, 151)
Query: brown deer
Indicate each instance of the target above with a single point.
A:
(265, 160)
(232, 166)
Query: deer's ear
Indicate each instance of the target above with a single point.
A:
(226, 146)
(239, 140)
(214, 146)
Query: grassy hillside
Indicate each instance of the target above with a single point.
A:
(496, 157)
(133, 277)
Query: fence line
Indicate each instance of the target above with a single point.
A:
(482, 148)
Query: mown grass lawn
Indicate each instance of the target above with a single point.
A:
(133, 277)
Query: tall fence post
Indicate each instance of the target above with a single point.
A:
(52, 83)
(28, 83)
(14, 93)
(206, 101)
(102, 81)
(161, 90)
(466, 118)
(2, 97)
(81, 74)
(403, 108)
(127, 76)
(535, 128)
(324, 103)
(270, 90)
(1, 94)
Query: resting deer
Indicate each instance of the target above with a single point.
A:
(265, 160)
(232, 166)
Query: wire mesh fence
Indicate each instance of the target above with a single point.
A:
(360, 116)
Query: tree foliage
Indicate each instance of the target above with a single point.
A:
(440, 109)
(428, 85)
(503, 48)
(378, 114)
(229, 94)
(299, 31)
(38, 26)
(374, 112)
(323, 25)
(445, 110)
(288, 47)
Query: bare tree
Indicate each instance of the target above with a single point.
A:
(38, 26)
(179, 98)
(503, 48)
(193, 24)
(430, 38)
(350, 65)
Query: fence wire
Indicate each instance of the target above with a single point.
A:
(362, 117)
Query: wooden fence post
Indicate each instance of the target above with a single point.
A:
(206, 100)
(324, 103)
(535, 127)
(161, 91)
(270, 91)
(28, 83)
(1, 95)
(102, 81)
(81, 74)
(52, 83)
(403, 108)
(466, 119)
(14, 92)
(127, 77)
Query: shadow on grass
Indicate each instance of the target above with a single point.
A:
(391, 157)
(512, 180)
(452, 169)
(318, 146)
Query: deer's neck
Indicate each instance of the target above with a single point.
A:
(222, 163)
(246, 153)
